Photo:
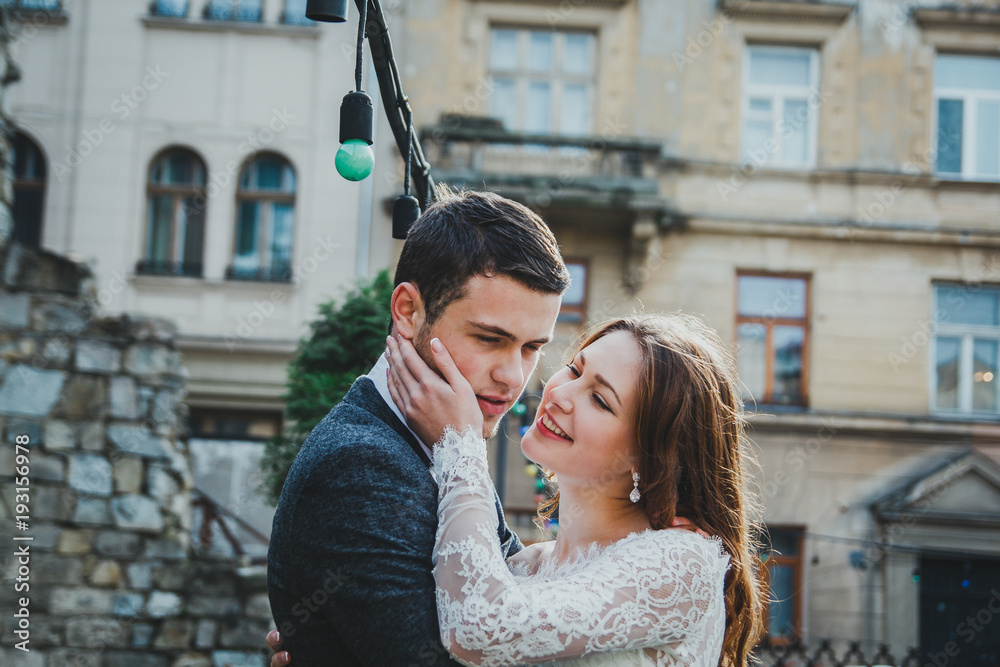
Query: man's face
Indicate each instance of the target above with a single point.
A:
(494, 333)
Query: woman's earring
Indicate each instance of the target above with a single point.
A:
(634, 496)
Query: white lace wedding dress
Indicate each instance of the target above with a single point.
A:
(653, 598)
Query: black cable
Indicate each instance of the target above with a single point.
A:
(361, 44)
(390, 88)
(409, 143)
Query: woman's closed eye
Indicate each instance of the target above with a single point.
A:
(598, 400)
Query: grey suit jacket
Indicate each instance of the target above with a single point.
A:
(349, 565)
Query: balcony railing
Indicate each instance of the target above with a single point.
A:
(277, 273)
(151, 267)
(473, 151)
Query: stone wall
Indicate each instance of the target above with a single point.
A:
(114, 578)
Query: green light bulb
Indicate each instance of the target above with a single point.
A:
(355, 160)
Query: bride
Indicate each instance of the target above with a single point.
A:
(643, 427)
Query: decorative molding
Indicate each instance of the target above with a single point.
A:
(787, 10)
(171, 23)
(979, 18)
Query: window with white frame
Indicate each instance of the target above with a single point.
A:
(966, 341)
(543, 80)
(967, 107)
(780, 106)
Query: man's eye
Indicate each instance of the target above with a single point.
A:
(488, 339)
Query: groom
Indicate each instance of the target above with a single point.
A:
(349, 566)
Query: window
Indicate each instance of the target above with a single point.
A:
(34, 5)
(574, 301)
(967, 103)
(29, 190)
(234, 10)
(781, 572)
(771, 326)
(174, 8)
(234, 424)
(265, 216)
(175, 229)
(967, 334)
(543, 81)
(295, 13)
(780, 102)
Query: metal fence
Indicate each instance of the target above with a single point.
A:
(826, 653)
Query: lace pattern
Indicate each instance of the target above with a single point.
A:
(653, 598)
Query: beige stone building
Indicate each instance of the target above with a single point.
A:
(820, 181)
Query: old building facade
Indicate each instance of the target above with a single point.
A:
(820, 181)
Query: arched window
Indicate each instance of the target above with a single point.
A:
(265, 220)
(175, 227)
(29, 190)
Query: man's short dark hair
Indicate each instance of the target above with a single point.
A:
(466, 234)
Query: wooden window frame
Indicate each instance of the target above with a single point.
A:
(177, 193)
(22, 183)
(770, 323)
(796, 562)
(266, 199)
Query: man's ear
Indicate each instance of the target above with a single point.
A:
(407, 309)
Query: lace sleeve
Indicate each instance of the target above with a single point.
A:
(651, 589)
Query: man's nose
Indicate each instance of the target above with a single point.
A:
(509, 372)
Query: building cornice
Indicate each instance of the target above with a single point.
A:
(787, 10)
(919, 428)
(841, 230)
(963, 18)
(281, 30)
(188, 343)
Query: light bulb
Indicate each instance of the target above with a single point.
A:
(355, 160)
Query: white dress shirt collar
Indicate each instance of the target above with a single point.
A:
(377, 375)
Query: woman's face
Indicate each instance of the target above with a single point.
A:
(583, 430)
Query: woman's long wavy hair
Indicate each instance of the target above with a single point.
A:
(694, 458)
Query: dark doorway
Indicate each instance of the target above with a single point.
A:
(960, 612)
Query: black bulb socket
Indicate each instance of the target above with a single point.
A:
(405, 211)
(328, 11)
(356, 117)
